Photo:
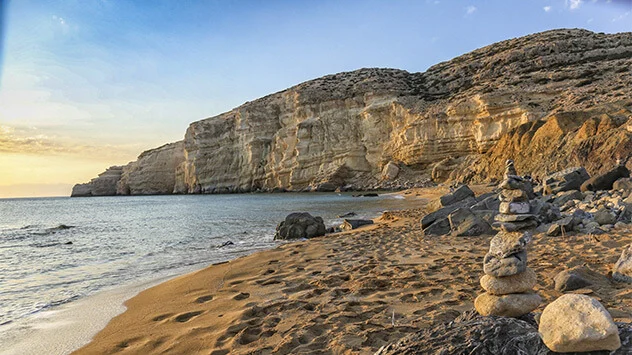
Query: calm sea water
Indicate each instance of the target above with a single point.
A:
(57, 250)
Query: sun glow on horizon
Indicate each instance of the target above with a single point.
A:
(85, 85)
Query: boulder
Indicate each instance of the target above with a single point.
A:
(464, 222)
(565, 180)
(606, 180)
(605, 216)
(300, 225)
(390, 171)
(625, 215)
(622, 184)
(519, 283)
(349, 224)
(326, 187)
(563, 197)
(486, 215)
(564, 225)
(459, 194)
(547, 211)
(442, 213)
(439, 227)
(471, 333)
(512, 305)
(488, 203)
(569, 280)
(622, 271)
(592, 228)
(578, 323)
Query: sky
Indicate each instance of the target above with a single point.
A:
(87, 84)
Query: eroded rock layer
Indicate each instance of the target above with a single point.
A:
(470, 111)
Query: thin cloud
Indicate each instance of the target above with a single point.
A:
(621, 17)
(30, 140)
(547, 8)
(573, 4)
(470, 10)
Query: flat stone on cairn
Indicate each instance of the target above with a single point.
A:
(514, 206)
(507, 280)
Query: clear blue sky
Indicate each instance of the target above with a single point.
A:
(102, 80)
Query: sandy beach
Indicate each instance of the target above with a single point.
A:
(345, 293)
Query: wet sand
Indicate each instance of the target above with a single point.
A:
(346, 293)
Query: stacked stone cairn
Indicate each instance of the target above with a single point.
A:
(508, 281)
(515, 208)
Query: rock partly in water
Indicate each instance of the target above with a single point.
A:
(578, 323)
(300, 225)
(349, 224)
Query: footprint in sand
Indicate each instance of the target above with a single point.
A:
(185, 317)
(203, 299)
(161, 317)
(241, 296)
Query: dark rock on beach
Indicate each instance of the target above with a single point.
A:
(300, 225)
(605, 180)
(349, 224)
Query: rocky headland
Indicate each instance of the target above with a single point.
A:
(550, 100)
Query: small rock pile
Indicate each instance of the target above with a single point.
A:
(507, 280)
(515, 209)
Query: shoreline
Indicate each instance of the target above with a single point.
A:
(350, 292)
(66, 328)
(68, 325)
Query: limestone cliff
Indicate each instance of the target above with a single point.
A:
(345, 128)
(153, 173)
(102, 185)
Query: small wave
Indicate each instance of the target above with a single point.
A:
(55, 303)
(48, 245)
(61, 227)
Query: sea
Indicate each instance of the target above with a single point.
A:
(58, 251)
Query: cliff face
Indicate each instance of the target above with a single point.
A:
(102, 185)
(152, 174)
(344, 128)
